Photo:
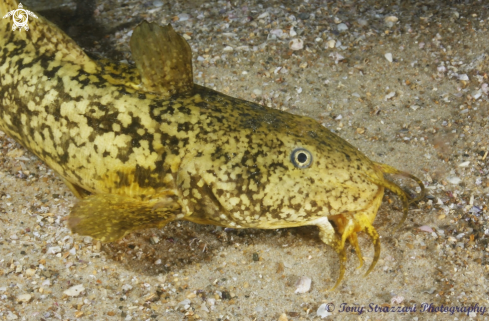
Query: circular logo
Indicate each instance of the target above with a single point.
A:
(20, 18)
(330, 307)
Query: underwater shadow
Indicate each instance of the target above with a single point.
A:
(181, 244)
(85, 30)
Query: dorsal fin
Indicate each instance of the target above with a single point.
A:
(163, 58)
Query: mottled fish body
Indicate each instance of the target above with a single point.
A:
(143, 145)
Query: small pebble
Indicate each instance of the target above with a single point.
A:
(323, 311)
(158, 3)
(292, 32)
(185, 303)
(303, 285)
(257, 91)
(74, 290)
(183, 17)
(464, 164)
(330, 43)
(296, 44)
(390, 95)
(338, 57)
(54, 249)
(243, 48)
(388, 56)
(396, 300)
(485, 88)
(30, 272)
(24, 298)
(454, 180)
(391, 19)
(362, 22)
(126, 287)
(426, 228)
(226, 295)
(283, 317)
(204, 308)
(342, 27)
(277, 32)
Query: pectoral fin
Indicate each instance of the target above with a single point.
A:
(163, 58)
(109, 217)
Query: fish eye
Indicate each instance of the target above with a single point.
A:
(301, 158)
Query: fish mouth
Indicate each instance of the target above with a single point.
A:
(347, 225)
